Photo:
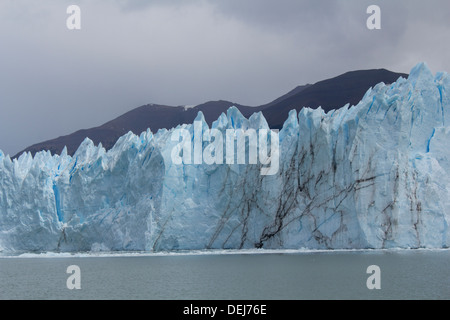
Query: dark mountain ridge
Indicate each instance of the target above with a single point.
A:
(330, 94)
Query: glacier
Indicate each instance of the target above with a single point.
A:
(374, 175)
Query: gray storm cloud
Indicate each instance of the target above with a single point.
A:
(54, 81)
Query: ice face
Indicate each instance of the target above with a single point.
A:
(374, 175)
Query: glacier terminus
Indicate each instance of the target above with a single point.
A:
(374, 175)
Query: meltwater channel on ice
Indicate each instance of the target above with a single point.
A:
(374, 175)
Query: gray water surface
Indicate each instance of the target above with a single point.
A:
(409, 274)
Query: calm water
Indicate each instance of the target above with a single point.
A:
(321, 275)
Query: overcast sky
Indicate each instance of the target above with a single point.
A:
(54, 81)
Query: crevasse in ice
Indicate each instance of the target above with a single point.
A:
(374, 175)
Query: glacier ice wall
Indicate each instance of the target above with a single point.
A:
(374, 175)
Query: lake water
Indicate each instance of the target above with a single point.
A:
(404, 274)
